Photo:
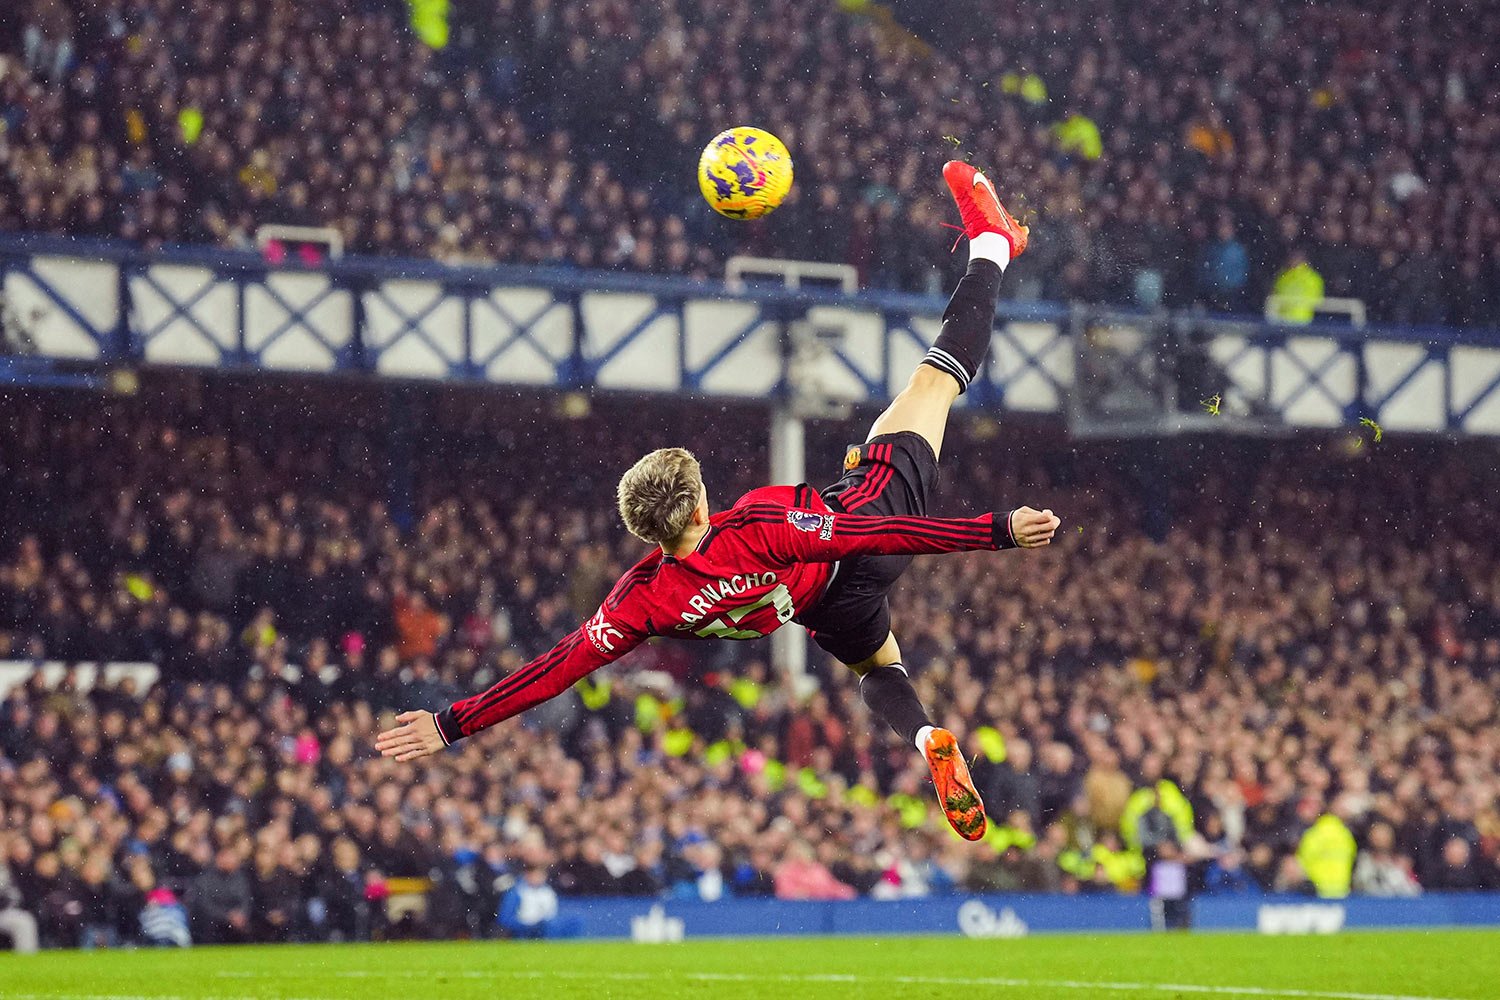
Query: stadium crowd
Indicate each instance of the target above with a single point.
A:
(1293, 689)
(1187, 154)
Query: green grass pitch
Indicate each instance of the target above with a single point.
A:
(1416, 965)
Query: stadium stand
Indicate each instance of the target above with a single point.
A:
(1185, 156)
(1265, 674)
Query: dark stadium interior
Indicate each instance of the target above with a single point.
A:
(1287, 647)
(1244, 651)
(1225, 146)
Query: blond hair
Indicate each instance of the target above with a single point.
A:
(659, 494)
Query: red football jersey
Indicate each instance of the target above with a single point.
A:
(762, 561)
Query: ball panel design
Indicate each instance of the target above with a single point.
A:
(745, 172)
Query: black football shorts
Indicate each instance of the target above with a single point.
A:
(891, 474)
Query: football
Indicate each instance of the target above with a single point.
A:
(745, 172)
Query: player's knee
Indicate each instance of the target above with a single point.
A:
(889, 653)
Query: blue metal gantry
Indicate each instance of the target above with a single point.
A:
(1110, 372)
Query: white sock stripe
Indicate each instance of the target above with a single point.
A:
(942, 359)
(948, 363)
(944, 354)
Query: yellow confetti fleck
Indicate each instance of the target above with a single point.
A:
(953, 139)
(1367, 422)
(1212, 404)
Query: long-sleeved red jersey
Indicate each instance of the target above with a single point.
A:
(764, 560)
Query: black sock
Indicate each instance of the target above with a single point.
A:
(888, 692)
(967, 323)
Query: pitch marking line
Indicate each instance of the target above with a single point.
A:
(742, 977)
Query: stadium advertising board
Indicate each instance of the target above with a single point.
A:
(666, 921)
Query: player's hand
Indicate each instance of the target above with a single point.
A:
(417, 736)
(1033, 528)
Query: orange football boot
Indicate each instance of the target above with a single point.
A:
(980, 206)
(955, 789)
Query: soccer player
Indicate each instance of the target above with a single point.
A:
(824, 560)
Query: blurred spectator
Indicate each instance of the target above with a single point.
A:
(164, 920)
(1167, 885)
(702, 874)
(1297, 291)
(220, 900)
(529, 909)
(1224, 269)
(1326, 853)
(1155, 830)
(1457, 869)
(1009, 785)
(1379, 871)
(338, 908)
(802, 876)
(1225, 874)
(18, 925)
(584, 873)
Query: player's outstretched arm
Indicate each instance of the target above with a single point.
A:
(601, 641)
(818, 536)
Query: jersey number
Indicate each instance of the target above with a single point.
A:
(724, 628)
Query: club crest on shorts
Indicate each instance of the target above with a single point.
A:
(851, 460)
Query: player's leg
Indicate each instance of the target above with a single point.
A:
(994, 238)
(887, 690)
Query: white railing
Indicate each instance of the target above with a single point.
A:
(792, 273)
(1353, 308)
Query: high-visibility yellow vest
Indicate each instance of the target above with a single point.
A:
(1125, 869)
(991, 743)
(189, 125)
(648, 711)
(593, 694)
(745, 691)
(429, 20)
(1078, 134)
(912, 810)
(722, 750)
(1003, 837)
(1297, 292)
(1076, 863)
(1172, 802)
(1028, 86)
(677, 742)
(1326, 853)
(810, 784)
